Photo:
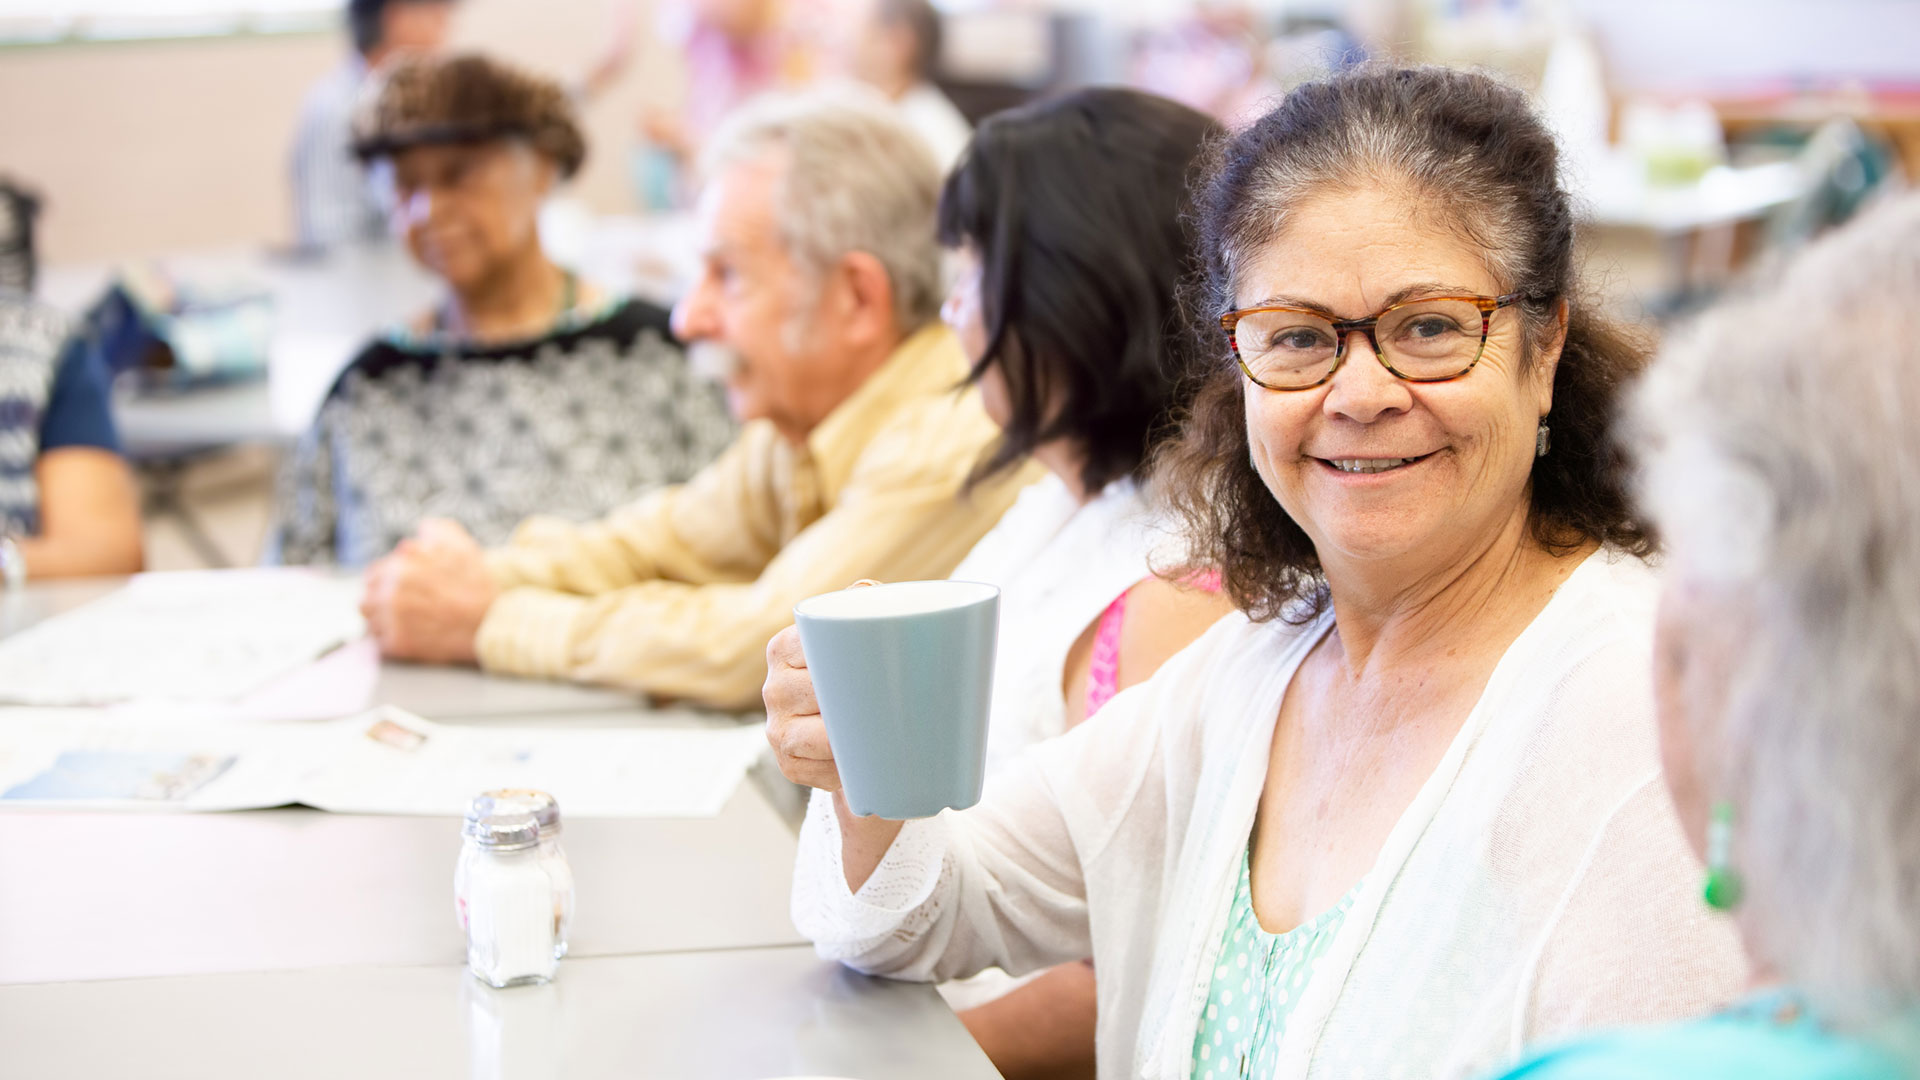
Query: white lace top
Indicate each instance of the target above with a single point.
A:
(1537, 886)
(1058, 564)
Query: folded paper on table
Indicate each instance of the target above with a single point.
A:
(195, 636)
(91, 758)
(382, 762)
(594, 772)
(341, 683)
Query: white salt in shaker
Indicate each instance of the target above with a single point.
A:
(547, 813)
(509, 901)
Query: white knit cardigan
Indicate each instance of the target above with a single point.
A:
(1538, 885)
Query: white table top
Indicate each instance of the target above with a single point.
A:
(734, 1015)
(102, 895)
(293, 943)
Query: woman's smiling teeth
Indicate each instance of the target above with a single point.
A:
(1369, 465)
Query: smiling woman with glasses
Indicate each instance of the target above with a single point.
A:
(1400, 814)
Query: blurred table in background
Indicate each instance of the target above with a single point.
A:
(324, 310)
(652, 256)
(325, 307)
(1704, 229)
(1622, 197)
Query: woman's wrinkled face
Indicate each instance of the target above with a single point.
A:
(1418, 476)
(965, 314)
(466, 209)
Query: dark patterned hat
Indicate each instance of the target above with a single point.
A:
(423, 101)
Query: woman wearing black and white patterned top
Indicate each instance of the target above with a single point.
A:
(525, 391)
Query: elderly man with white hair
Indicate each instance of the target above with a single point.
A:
(1784, 471)
(821, 290)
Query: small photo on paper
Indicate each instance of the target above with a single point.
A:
(143, 776)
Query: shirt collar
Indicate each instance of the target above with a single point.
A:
(928, 362)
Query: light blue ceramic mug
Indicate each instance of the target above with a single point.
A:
(904, 674)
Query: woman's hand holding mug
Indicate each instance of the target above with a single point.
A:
(799, 739)
(794, 728)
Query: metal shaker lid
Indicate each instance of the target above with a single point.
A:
(509, 831)
(518, 800)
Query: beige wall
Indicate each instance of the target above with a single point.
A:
(146, 147)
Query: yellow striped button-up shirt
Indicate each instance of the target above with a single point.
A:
(677, 594)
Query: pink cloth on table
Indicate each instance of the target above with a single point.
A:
(1103, 673)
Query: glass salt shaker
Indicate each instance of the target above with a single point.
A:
(547, 813)
(509, 904)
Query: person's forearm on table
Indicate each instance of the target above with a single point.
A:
(89, 516)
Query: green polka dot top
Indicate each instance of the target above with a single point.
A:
(1256, 981)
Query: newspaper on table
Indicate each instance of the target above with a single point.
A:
(385, 761)
(194, 636)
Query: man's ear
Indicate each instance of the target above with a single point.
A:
(867, 295)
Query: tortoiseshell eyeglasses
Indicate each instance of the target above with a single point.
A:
(1432, 339)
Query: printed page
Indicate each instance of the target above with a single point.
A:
(385, 761)
(210, 636)
(88, 759)
(398, 763)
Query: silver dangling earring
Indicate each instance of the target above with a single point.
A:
(1543, 439)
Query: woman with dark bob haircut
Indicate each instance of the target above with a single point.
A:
(1402, 814)
(1066, 224)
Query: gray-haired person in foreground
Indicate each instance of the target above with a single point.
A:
(1783, 469)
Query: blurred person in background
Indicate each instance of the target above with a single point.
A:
(1065, 219)
(334, 201)
(1214, 60)
(896, 49)
(820, 294)
(527, 390)
(732, 51)
(1783, 469)
(68, 506)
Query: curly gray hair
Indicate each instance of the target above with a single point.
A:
(856, 179)
(1782, 466)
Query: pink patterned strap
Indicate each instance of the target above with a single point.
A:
(1103, 672)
